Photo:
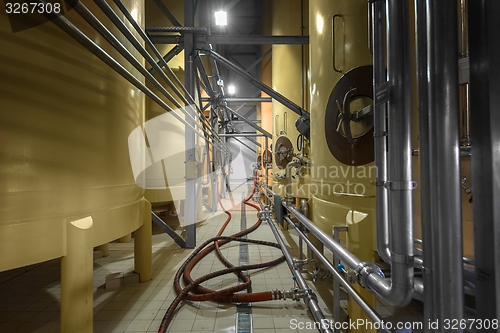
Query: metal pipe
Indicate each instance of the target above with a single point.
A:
(288, 177)
(464, 88)
(444, 158)
(388, 289)
(248, 99)
(399, 164)
(271, 92)
(309, 296)
(380, 132)
(250, 123)
(103, 5)
(240, 134)
(429, 297)
(64, 24)
(163, 63)
(264, 163)
(372, 314)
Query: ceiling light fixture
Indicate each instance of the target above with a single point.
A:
(220, 18)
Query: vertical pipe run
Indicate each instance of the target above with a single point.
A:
(443, 116)
(399, 172)
(380, 130)
(464, 88)
(424, 159)
(485, 98)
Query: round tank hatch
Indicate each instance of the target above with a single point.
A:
(259, 162)
(283, 151)
(267, 158)
(349, 117)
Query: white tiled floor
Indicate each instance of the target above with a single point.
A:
(29, 296)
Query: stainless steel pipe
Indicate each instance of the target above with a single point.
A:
(429, 297)
(399, 171)
(372, 314)
(380, 131)
(309, 297)
(444, 158)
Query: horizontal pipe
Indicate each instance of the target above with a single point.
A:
(240, 135)
(248, 99)
(309, 297)
(369, 278)
(372, 314)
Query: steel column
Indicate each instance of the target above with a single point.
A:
(191, 205)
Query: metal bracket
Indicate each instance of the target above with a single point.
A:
(395, 185)
(401, 258)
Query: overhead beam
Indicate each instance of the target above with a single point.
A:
(243, 99)
(232, 40)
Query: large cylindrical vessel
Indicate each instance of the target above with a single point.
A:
(65, 119)
(289, 67)
(342, 172)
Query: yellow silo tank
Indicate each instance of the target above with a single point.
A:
(343, 193)
(289, 78)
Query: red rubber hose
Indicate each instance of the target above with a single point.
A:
(227, 294)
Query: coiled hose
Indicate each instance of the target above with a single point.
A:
(201, 293)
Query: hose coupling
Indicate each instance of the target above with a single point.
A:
(295, 294)
(264, 213)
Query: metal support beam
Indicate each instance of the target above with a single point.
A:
(190, 158)
(165, 227)
(244, 144)
(169, 56)
(204, 77)
(167, 13)
(258, 61)
(233, 40)
(485, 119)
(268, 90)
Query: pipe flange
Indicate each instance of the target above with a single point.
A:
(366, 271)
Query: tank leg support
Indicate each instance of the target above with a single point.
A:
(76, 278)
(143, 242)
